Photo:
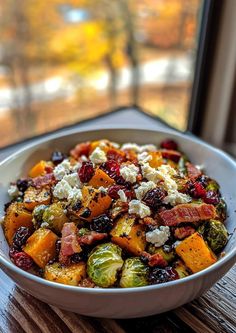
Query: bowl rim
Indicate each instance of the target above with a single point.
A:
(189, 137)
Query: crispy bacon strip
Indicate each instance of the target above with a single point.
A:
(187, 213)
(171, 154)
(183, 232)
(192, 171)
(154, 260)
(91, 238)
(42, 181)
(80, 149)
(69, 241)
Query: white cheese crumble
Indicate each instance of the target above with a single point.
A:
(44, 225)
(149, 173)
(174, 197)
(73, 179)
(137, 207)
(148, 147)
(13, 191)
(83, 158)
(143, 189)
(102, 189)
(122, 195)
(129, 172)
(144, 157)
(63, 190)
(98, 156)
(137, 148)
(115, 144)
(62, 169)
(158, 236)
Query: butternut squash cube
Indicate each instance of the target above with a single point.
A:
(100, 178)
(38, 169)
(156, 160)
(94, 203)
(194, 251)
(71, 275)
(34, 197)
(129, 235)
(16, 216)
(41, 246)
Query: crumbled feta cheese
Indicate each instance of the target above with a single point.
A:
(122, 195)
(148, 147)
(75, 194)
(62, 189)
(149, 173)
(102, 189)
(13, 191)
(175, 198)
(98, 156)
(176, 243)
(144, 188)
(44, 225)
(73, 179)
(62, 169)
(144, 157)
(129, 172)
(115, 145)
(158, 236)
(83, 158)
(131, 146)
(137, 207)
(200, 167)
(76, 166)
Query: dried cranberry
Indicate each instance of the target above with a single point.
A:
(196, 189)
(160, 275)
(112, 168)
(203, 180)
(169, 144)
(171, 155)
(21, 236)
(101, 223)
(212, 197)
(22, 184)
(86, 172)
(113, 192)
(57, 157)
(153, 198)
(22, 260)
(82, 256)
(12, 252)
(112, 154)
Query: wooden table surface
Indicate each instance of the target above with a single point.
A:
(215, 311)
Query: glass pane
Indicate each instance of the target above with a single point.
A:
(62, 61)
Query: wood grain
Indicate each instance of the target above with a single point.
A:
(213, 312)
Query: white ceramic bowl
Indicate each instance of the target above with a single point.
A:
(131, 302)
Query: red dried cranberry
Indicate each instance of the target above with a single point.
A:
(22, 184)
(86, 172)
(160, 275)
(212, 197)
(113, 191)
(112, 168)
(57, 157)
(196, 189)
(203, 180)
(153, 198)
(21, 236)
(171, 155)
(23, 260)
(12, 252)
(169, 144)
(101, 223)
(112, 154)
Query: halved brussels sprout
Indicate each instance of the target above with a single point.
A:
(83, 232)
(221, 210)
(212, 186)
(134, 273)
(38, 215)
(167, 255)
(103, 264)
(215, 233)
(181, 269)
(55, 216)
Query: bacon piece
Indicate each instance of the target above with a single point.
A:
(80, 149)
(183, 232)
(149, 221)
(192, 171)
(171, 155)
(187, 213)
(155, 259)
(91, 238)
(69, 241)
(42, 181)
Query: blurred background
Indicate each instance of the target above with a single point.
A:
(62, 61)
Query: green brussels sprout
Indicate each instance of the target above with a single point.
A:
(215, 233)
(83, 232)
(181, 269)
(167, 255)
(55, 216)
(103, 264)
(221, 210)
(38, 215)
(212, 185)
(134, 273)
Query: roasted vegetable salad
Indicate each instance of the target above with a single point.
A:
(109, 215)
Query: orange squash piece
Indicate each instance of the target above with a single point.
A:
(71, 275)
(16, 216)
(34, 197)
(194, 251)
(100, 178)
(129, 235)
(41, 246)
(38, 169)
(94, 201)
(156, 160)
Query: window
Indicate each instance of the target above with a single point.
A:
(62, 61)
